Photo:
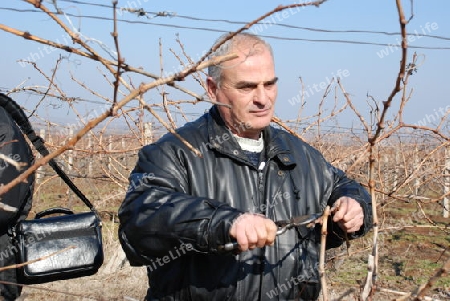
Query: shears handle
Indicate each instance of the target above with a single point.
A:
(235, 246)
(229, 246)
(283, 226)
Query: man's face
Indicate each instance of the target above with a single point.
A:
(248, 85)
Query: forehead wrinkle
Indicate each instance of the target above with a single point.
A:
(249, 48)
(245, 49)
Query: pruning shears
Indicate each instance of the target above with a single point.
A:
(283, 226)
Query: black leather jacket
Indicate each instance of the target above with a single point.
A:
(179, 209)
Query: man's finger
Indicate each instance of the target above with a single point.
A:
(262, 236)
(341, 209)
(352, 226)
(241, 237)
(335, 206)
(271, 230)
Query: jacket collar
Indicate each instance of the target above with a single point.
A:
(221, 139)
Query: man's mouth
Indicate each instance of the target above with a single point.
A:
(259, 112)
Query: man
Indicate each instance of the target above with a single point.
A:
(181, 209)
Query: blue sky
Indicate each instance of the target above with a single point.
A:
(364, 69)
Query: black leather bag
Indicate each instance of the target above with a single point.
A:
(57, 247)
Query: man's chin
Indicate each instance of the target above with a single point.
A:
(256, 129)
(260, 124)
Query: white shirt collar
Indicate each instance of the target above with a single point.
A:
(250, 145)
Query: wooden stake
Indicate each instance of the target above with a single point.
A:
(323, 243)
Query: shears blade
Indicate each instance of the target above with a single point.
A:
(296, 221)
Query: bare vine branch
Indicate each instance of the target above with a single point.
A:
(370, 285)
(94, 122)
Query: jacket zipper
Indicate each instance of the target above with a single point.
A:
(261, 183)
(261, 186)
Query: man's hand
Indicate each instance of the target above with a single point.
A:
(253, 231)
(348, 214)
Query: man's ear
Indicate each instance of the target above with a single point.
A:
(211, 87)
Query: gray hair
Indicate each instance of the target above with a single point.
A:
(215, 71)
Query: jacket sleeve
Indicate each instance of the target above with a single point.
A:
(159, 216)
(344, 186)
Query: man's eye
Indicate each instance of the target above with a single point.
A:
(246, 88)
(271, 84)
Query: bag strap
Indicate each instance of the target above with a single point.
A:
(24, 124)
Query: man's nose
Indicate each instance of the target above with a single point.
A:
(261, 96)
